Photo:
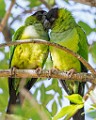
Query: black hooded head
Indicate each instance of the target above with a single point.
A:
(50, 18)
(40, 15)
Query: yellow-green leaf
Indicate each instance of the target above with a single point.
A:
(75, 98)
(68, 111)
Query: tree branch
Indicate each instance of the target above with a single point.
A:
(87, 2)
(5, 19)
(40, 41)
(30, 73)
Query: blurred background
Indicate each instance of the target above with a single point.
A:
(48, 93)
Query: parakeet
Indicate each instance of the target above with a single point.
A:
(66, 32)
(27, 56)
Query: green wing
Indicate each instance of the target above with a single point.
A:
(18, 33)
(16, 36)
(83, 51)
(83, 45)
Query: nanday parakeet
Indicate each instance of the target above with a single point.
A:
(66, 32)
(27, 56)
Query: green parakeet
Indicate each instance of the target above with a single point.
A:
(66, 32)
(27, 56)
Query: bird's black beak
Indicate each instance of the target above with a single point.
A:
(46, 24)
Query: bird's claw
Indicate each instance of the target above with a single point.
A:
(13, 69)
(71, 72)
(39, 71)
(52, 71)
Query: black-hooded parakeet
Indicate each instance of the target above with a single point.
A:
(27, 56)
(66, 32)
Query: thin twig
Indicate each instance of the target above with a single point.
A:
(92, 97)
(33, 102)
(5, 19)
(40, 41)
(85, 97)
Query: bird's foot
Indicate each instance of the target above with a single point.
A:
(38, 70)
(52, 71)
(71, 72)
(13, 70)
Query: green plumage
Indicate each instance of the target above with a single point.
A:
(27, 56)
(66, 32)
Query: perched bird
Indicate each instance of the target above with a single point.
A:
(66, 32)
(27, 56)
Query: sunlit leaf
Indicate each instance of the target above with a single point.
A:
(75, 98)
(68, 112)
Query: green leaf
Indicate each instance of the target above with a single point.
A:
(48, 98)
(92, 50)
(2, 8)
(75, 98)
(86, 27)
(43, 95)
(68, 111)
(54, 108)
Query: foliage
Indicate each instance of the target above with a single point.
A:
(70, 110)
(48, 93)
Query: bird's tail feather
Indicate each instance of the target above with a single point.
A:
(12, 96)
(16, 99)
